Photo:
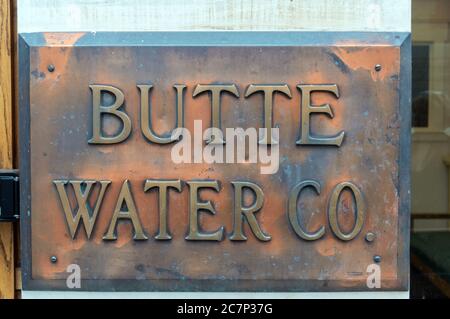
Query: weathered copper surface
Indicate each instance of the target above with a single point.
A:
(56, 115)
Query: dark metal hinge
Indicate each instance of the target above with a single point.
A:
(9, 195)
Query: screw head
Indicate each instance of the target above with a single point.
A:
(377, 259)
(53, 259)
(370, 237)
(51, 68)
(378, 67)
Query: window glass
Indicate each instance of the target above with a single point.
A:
(430, 176)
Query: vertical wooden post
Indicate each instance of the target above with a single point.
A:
(7, 267)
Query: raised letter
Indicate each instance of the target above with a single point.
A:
(268, 92)
(126, 198)
(163, 186)
(146, 125)
(216, 90)
(98, 109)
(307, 109)
(84, 211)
(360, 211)
(195, 205)
(292, 206)
(248, 211)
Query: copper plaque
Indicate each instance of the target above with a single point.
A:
(104, 197)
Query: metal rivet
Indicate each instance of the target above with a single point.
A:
(377, 258)
(370, 237)
(53, 259)
(51, 68)
(378, 67)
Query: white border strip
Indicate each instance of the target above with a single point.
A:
(208, 15)
(213, 295)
